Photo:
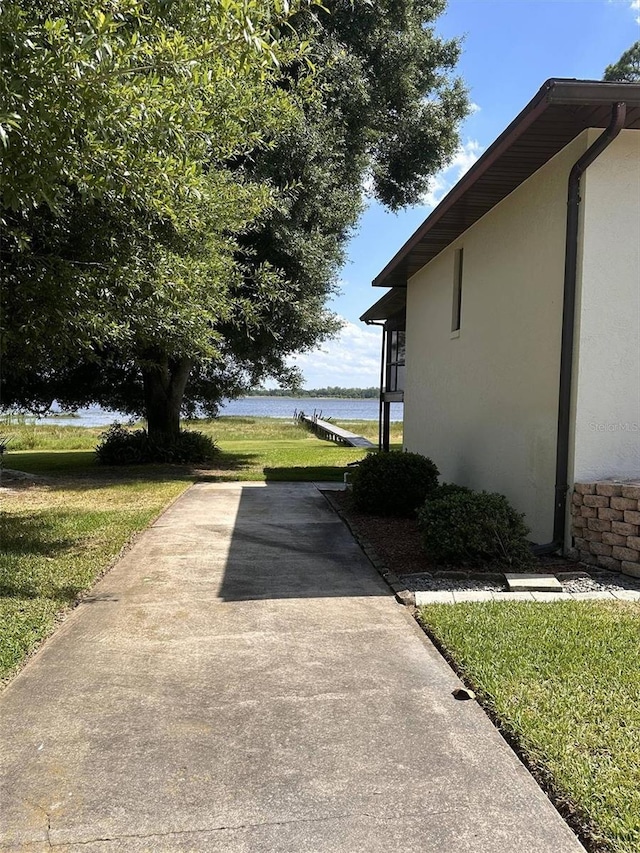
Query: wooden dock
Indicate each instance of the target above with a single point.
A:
(325, 429)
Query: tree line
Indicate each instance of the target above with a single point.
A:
(331, 391)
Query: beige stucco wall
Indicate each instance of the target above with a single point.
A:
(484, 405)
(607, 375)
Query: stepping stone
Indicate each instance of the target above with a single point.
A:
(532, 582)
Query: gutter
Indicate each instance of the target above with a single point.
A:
(577, 96)
(618, 116)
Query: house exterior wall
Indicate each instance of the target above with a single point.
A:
(606, 404)
(483, 404)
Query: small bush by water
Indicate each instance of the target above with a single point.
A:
(119, 446)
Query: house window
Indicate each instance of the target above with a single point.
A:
(457, 291)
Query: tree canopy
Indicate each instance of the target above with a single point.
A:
(179, 180)
(118, 212)
(627, 68)
(387, 119)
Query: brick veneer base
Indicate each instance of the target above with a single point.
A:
(605, 524)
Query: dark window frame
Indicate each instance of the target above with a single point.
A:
(396, 360)
(456, 311)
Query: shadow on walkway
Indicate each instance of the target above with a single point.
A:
(286, 543)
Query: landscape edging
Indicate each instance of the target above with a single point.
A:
(402, 594)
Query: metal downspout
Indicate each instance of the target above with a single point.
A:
(618, 115)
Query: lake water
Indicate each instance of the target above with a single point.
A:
(265, 407)
(330, 407)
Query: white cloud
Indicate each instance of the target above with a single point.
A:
(634, 6)
(466, 156)
(463, 160)
(350, 360)
(474, 108)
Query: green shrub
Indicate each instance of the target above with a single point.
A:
(393, 483)
(119, 446)
(461, 526)
(446, 489)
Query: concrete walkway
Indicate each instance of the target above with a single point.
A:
(243, 681)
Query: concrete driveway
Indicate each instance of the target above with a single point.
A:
(243, 681)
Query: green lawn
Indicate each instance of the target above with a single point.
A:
(277, 449)
(564, 680)
(56, 539)
(251, 449)
(58, 535)
(29, 436)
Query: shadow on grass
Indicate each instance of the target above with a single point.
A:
(305, 474)
(26, 591)
(45, 462)
(59, 467)
(31, 534)
(37, 556)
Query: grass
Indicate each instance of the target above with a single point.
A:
(563, 679)
(251, 449)
(24, 436)
(29, 436)
(271, 449)
(59, 535)
(275, 449)
(56, 539)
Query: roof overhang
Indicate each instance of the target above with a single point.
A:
(560, 111)
(392, 303)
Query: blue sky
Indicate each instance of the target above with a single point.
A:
(510, 48)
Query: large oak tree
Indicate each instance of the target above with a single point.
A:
(118, 211)
(387, 120)
(180, 185)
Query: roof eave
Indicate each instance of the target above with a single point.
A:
(388, 306)
(553, 91)
(591, 92)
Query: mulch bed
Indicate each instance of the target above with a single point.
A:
(396, 540)
(399, 544)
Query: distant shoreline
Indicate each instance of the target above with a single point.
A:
(372, 393)
(306, 397)
(278, 407)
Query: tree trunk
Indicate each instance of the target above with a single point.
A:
(164, 385)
